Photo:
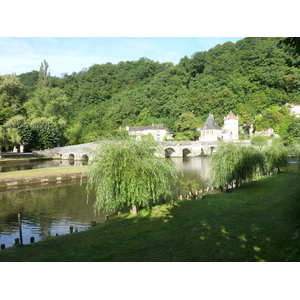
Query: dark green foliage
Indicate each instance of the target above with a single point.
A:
(292, 135)
(292, 217)
(29, 81)
(45, 133)
(186, 127)
(12, 96)
(23, 128)
(251, 77)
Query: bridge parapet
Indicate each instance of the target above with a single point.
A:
(180, 143)
(171, 148)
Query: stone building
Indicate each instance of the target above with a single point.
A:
(211, 131)
(159, 132)
(231, 127)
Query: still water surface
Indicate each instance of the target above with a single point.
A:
(57, 208)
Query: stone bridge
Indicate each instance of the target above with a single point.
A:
(171, 149)
(182, 149)
(76, 152)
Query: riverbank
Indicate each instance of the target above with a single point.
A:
(246, 225)
(21, 159)
(44, 176)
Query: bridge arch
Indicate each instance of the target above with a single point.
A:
(71, 156)
(169, 151)
(85, 157)
(186, 152)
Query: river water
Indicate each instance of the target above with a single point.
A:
(55, 209)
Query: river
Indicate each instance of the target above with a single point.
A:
(55, 209)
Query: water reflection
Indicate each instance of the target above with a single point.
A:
(50, 209)
(40, 164)
(57, 208)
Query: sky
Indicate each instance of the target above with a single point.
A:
(72, 35)
(72, 54)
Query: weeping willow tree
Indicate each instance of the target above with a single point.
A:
(128, 173)
(233, 164)
(276, 155)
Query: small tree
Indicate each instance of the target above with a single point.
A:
(45, 133)
(23, 128)
(13, 137)
(128, 173)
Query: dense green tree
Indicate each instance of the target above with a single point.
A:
(45, 133)
(23, 128)
(251, 77)
(292, 136)
(186, 127)
(270, 118)
(186, 122)
(29, 81)
(74, 134)
(127, 173)
(12, 96)
(51, 103)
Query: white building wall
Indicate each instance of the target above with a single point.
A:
(231, 128)
(158, 134)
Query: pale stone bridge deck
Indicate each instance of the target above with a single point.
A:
(172, 149)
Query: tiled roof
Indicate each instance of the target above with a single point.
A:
(231, 116)
(153, 127)
(211, 123)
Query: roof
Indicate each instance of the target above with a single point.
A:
(153, 127)
(231, 116)
(211, 123)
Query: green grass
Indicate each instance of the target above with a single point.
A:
(246, 225)
(42, 172)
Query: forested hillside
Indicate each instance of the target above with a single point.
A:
(254, 78)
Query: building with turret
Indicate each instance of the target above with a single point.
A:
(211, 131)
(231, 126)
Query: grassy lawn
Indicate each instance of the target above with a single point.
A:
(246, 225)
(42, 172)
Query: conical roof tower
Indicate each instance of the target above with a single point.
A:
(211, 123)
